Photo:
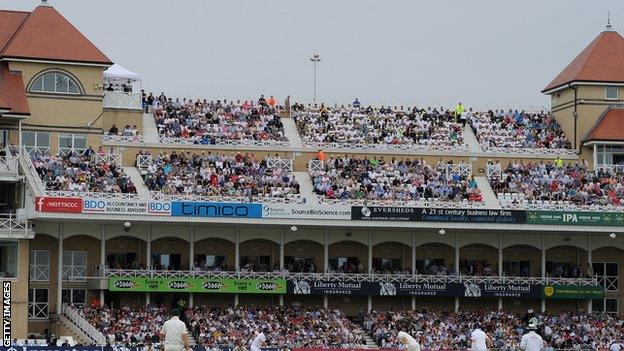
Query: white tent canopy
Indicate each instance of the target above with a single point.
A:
(118, 73)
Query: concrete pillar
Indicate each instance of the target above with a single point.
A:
(590, 302)
(192, 249)
(326, 256)
(325, 301)
(281, 253)
(59, 273)
(457, 267)
(237, 256)
(370, 251)
(543, 307)
(148, 258)
(235, 300)
(414, 265)
(281, 300)
(370, 303)
(500, 266)
(102, 259)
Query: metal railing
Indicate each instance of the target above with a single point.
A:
(11, 223)
(143, 162)
(529, 151)
(83, 325)
(610, 168)
(95, 195)
(433, 203)
(290, 199)
(234, 142)
(538, 205)
(108, 158)
(347, 277)
(107, 138)
(493, 170)
(285, 164)
(438, 147)
(463, 169)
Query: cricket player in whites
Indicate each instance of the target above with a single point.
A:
(532, 341)
(408, 341)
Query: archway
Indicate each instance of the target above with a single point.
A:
(392, 257)
(259, 255)
(214, 254)
(303, 256)
(348, 257)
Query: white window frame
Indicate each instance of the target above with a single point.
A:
(608, 281)
(603, 307)
(63, 151)
(38, 310)
(617, 92)
(71, 297)
(74, 272)
(55, 76)
(39, 271)
(17, 259)
(36, 148)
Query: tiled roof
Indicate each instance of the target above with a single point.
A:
(608, 127)
(12, 92)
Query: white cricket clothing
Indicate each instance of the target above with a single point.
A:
(256, 344)
(531, 341)
(173, 329)
(615, 347)
(408, 341)
(478, 338)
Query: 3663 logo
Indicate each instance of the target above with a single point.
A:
(125, 284)
(179, 285)
(210, 285)
(267, 286)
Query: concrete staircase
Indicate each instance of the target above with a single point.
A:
(66, 328)
(135, 175)
(290, 129)
(489, 198)
(471, 140)
(192, 341)
(150, 132)
(370, 344)
(305, 184)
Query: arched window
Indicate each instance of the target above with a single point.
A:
(55, 82)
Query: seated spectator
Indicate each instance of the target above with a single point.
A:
(78, 173)
(210, 174)
(353, 125)
(394, 180)
(514, 129)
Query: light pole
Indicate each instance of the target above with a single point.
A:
(315, 59)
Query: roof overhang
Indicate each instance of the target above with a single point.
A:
(580, 82)
(14, 115)
(57, 62)
(602, 142)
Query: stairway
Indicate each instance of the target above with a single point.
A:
(489, 198)
(370, 344)
(471, 140)
(150, 131)
(305, 185)
(136, 178)
(290, 129)
(66, 328)
(192, 341)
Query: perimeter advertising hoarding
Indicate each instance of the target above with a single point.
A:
(573, 292)
(216, 209)
(417, 214)
(117, 348)
(304, 211)
(198, 285)
(615, 219)
(314, 287)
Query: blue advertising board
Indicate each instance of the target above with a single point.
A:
(215, 209)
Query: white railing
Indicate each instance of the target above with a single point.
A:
(433, 203)
(10, 222)
(122, 100)
(227, 142)
(9, 164)
(517, 201)
(360, 277)
(35, 175)
(285, 164)
(79, 322)
(610, 168)
(106, 158)
(437, 147)
(143, 162)
(290, 199)
(530, 151)
(108, 138)
(316, 166)
(463, 169)
(493, 170)
(95, 195)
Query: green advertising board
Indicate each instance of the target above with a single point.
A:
(198, 285)
(573, 292)
(576, 218)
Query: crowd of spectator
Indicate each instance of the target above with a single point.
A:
(440, 330)
(571, 183)
(208, 174)
(77, 172)
(215, 122)
(355, 125)
(211, 326)
(517, 129)
(291, 326)
(372, 178)
(127, 131)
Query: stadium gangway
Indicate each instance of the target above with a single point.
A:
(347, 277)
(83, 325)
(433, 146)
(233, 142)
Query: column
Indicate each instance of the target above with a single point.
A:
(325, 302)
(19, 136)
(235, 300)
(102, 259)
(370, 251)
(590, 302)
(59, 272)
(370, 303)
(500, 266)
(543, 267)
(456, 267)
(148, 258)
(281, 252)
(237, 253)
(191, 259)
(326, 252)
(414, 265)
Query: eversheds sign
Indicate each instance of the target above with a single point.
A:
(416, 214)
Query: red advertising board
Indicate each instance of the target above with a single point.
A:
(58, 204)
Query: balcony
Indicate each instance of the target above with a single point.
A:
(122, 100)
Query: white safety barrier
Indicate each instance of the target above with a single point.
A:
(89, 330)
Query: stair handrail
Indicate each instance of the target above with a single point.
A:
(83, 325)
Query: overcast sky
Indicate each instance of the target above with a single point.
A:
(483, 53)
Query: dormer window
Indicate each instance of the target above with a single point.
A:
(611, 92)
